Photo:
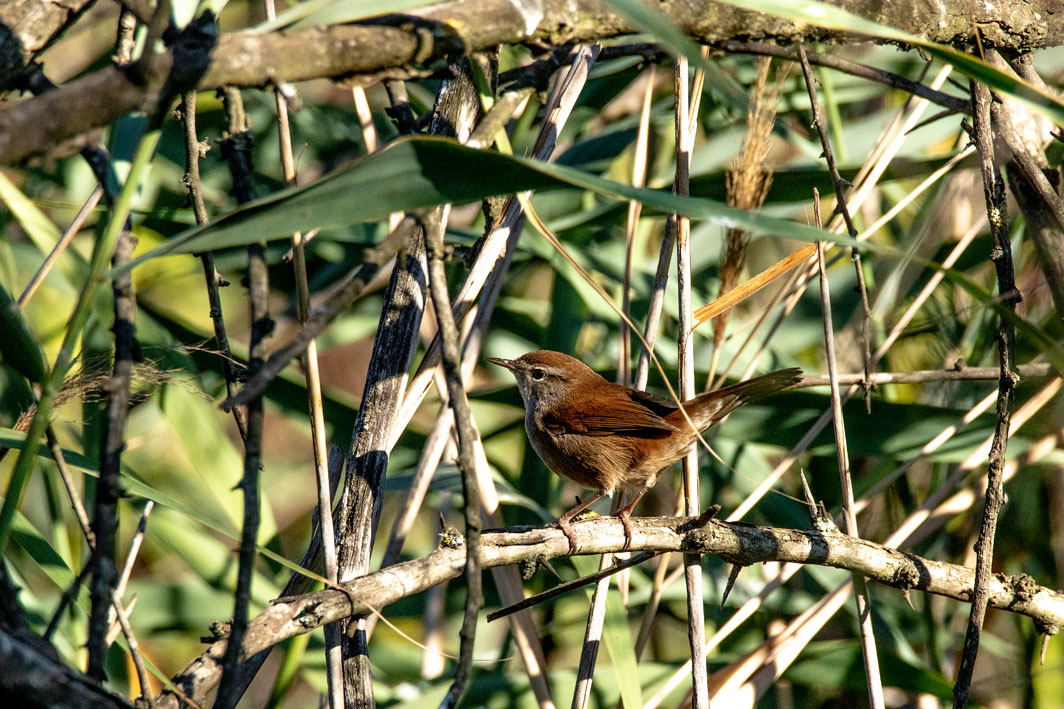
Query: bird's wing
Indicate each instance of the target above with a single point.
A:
(632, 415)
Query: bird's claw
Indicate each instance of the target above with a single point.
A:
(626, 522)
(563, 524)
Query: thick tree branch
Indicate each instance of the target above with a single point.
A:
(735, 542)
(34, 677)
(28, 28)
(252, 58)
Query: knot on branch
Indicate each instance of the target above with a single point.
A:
(1045, 628)
(529, 567)
(312, 615)
(1024, 587)
(695, 540)
(906, 576)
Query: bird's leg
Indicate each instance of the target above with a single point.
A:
(625, 515)
(562, 522)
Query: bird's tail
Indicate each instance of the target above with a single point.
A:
(709, 408)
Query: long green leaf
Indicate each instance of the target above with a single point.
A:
(18, 347)
(39, 228)
(417, 172)
(331, 12)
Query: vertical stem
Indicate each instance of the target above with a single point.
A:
(639, 176)
(840, 195)
(108, 489)
(237, 152)
(692, 562)
(849, 515)
(194, 150)
(1001, 255)
(333, 655)
(863, 600)
(467, 437)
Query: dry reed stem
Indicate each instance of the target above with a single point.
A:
(60, 246)
(849, 514)
(312, 377)
(696, 626)
(635, 208)
(736, 294)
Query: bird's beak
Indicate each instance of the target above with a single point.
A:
(508, 363)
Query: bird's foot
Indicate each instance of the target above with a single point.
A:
(626, 521)
(562, 523)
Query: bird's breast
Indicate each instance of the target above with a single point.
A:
(596, 462)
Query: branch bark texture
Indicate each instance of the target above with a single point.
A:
(737, 543)
(255, 59)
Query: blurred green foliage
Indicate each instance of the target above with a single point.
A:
(183, 452)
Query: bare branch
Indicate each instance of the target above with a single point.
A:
(252, 58)
(736, 543)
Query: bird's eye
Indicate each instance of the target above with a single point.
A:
(538, 374)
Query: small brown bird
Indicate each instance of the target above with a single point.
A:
(606, 436)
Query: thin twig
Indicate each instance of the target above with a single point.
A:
(352, 288)
(134, 650)
(849, 515)
(1001, 255)
(563, 588)
(840, 196)
(333, 656)
(236, 148)
(60, 245)
(962, 374)
(696, 626)
(76, 503)
(65, 600)
(108, 488)
(459, 404)
(127, 567)
(194, 151)
(639, 176)
(952, 103)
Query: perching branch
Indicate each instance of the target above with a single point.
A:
(736, 543)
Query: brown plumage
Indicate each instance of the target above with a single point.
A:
(605, 436)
